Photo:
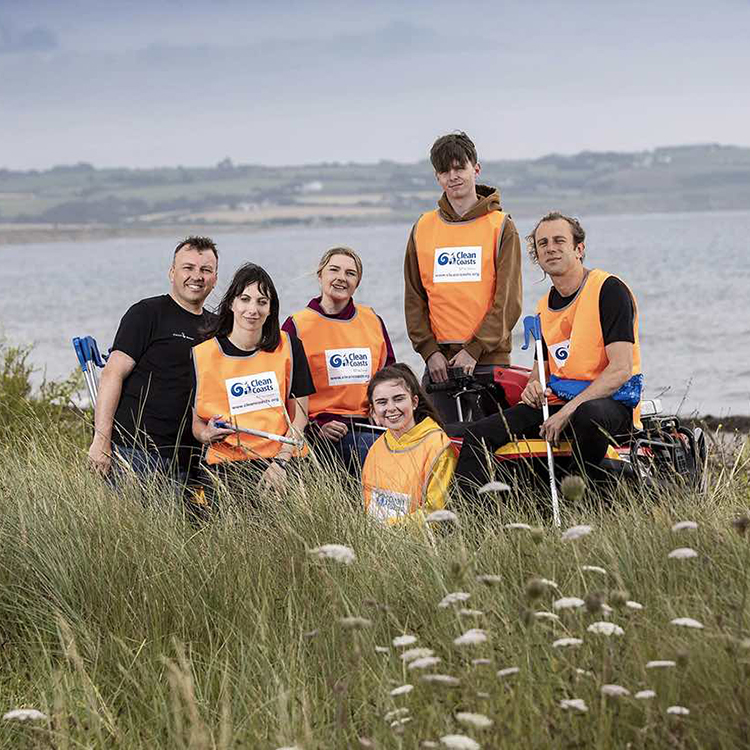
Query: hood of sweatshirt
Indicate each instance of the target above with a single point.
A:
(414, 436)
(489, 200)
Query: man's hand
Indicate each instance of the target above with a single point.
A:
(100, 455)
(437, 365)
(553, 427)
(533, 395)
(333, 430)
(464, 361)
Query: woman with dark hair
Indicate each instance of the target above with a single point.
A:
(252, 375)
(409, 468)
(346, 343)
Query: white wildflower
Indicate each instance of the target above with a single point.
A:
(678, 710)
(518, 526)
(576, 532)
(416, 653)
(594, 569)
(546, 582)
(685, 526)
(402, 690)
(644, 695)
(493, 487)
(508, 671)
(441, 679)
(355, 622)
(568, 602)
(481, 662)
(687, 622)
(565, 642)
(661, 663)
(459, 742)
(24, 714)
(630, 604)
(584, 672)
(482, 694)
(404, 640)
(337, 552)
(289, 747)
(400, 722)
(456, 596)
(397, 713)
(605, 628)
(576, 703)
(471, 637)
(478, 721)
(424, 662)
(441, 516)
(614, 691)
(542, 615)
(470, 612)
(606, 609)
(382, 649)
(489, 578)
(682, 553)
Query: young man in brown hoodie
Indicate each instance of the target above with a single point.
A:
(462, 273)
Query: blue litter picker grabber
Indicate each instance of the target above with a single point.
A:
(89, 359)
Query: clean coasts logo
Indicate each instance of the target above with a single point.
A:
(561, 352)
(347, 366)
(458, 264)
(385, 504)
(253, 392)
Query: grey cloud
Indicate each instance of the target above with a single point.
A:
(34, 39)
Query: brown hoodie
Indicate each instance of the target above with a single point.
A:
(491, 343)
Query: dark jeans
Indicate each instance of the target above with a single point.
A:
(351, 450)
(145, 465)
(591, 427)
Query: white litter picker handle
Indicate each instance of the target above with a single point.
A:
(260, 433)
(532, 326)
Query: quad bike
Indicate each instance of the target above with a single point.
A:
(662, 451)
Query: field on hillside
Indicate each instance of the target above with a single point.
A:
(127, 625)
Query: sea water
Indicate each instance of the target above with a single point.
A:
(690, 273)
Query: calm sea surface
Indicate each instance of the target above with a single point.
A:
(690, 274)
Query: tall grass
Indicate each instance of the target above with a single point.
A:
(128, 625)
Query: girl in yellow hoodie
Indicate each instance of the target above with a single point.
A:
(409, 468)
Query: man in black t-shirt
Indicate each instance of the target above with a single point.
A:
(143, 405)
(592, 358)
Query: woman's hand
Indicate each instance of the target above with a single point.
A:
(274, 477)
(212, 433)
(333, 430)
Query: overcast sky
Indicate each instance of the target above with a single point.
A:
(161, 82)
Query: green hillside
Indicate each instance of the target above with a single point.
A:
(678, 178)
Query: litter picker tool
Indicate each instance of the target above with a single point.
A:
(89, 359)
(260, 433)
(532, 326)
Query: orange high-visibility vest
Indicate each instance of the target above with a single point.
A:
(574, 338)
(249, 392)
(343, 355)
(457, 267)
(395, 483)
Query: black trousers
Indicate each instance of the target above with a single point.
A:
(592, 427)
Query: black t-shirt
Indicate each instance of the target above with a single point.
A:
(616, 311)
(154, 408)
(302, 382)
